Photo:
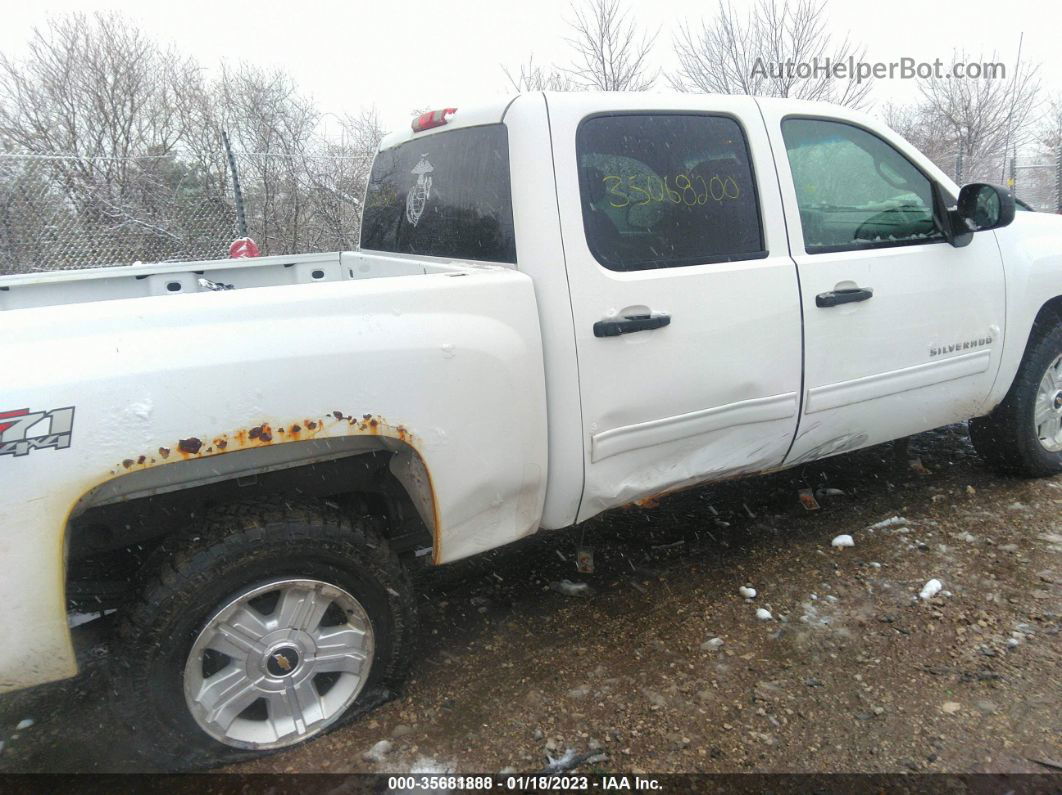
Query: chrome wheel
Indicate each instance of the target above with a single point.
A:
(278, 664)
(1047, 410)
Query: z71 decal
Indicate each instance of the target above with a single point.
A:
(22, 430)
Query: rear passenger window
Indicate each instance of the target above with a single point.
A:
(662, 191)
(445, 195)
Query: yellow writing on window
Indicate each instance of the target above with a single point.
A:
(640, 189)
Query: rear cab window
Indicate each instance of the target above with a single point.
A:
(667, 190)
(447, 194)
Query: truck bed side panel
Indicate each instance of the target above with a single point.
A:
(448, 364)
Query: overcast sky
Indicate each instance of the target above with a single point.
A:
(404, 54)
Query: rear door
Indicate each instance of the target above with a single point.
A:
(902, 330)
(685, 299)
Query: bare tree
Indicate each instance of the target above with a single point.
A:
(1049, 132)
(927, 132)
(760, 53)
(533, 77)
(104, 107)
(610, 54)
(337, 180)
(113, 153)
(95, 86)
(266, 116)
(984, 118)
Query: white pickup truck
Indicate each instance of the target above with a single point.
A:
(561, 304)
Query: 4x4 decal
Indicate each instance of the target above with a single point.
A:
(22, 430)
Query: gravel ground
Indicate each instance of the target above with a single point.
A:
(663, 666)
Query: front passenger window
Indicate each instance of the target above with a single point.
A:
(854, 190)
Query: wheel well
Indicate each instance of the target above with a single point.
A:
(1050, 315)
(107, 543)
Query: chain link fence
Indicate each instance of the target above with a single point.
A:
(61, 211)
(1035, 179)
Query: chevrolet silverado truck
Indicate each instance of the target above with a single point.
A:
(561, 304)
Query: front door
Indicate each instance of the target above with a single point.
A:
(902, 330)
(685, 299)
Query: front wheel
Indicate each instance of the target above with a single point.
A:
(1023, 436)
(268, 627)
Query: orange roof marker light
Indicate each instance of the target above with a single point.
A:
(433, 118)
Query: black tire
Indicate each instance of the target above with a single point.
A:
(191, 577)
(1007, 438)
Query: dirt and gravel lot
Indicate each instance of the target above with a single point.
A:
(664, 666)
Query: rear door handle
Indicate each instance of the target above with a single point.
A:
(849, 295)
(631, 323)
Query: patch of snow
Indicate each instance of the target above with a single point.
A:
(828, 493)
(748, 593)
(930, 589)
(763, 615)
(892, 521)
(569, 588)
(25, 723)
(77, 619)
(378, 751)
(425, 765)
(843, 540)
(562, 762)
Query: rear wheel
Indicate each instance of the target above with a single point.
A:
(1023, 435)
(270, 626)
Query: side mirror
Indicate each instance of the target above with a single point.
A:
(980, 206)
(984, 206)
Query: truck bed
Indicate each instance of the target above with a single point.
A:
(52, 288)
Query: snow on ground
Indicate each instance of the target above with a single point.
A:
(930, 589)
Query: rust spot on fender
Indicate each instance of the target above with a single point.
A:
(190, 446)
(335, 424)
(263, 433)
